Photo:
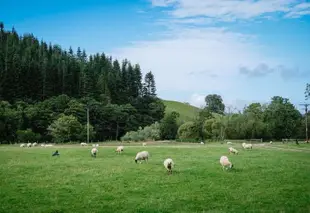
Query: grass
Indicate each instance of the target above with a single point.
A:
(187, 112)
(263, 180)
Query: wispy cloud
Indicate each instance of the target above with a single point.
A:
(232, 10)
(194, 55)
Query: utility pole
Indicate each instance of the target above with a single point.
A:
(306, 114)
(87, 125)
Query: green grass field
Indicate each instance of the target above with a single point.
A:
(187, 112)
(264, 179)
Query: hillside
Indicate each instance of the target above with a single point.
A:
(187, 112)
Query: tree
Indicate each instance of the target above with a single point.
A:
(149, 85)
(214, 103)
(65, 128)
(169, 126)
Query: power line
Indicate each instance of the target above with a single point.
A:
(306, 114)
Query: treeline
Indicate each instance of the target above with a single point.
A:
(43, 86)
(274, 121)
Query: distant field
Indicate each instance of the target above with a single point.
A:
(187, 112)
(265, 179)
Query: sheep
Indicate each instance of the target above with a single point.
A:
(48, 145)
(94, 152)
(119, 149)
(270, 142)
(202, 143)
(42, 145)
(169, 164)
(22, 145)
(29, 145)
(247, 146)
(83, 144)
(144, 155)
(95, 145)
(232, 150)
(229, 143)
(34, 144)
(143, 144)
(225, 163)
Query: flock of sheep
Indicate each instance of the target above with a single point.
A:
(144, 155)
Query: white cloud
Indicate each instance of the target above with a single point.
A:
(191, 57)
(230, 10)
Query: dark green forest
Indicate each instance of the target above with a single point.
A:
(45, 92)
(41, 83)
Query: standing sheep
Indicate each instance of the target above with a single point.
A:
(83, 144)
(144, 155)
(119, 149)
(94, 152)
(29, 145)
(169, 164)
(247, 146)
(22, 145)
(34, 144)
(225, 162)
(232, 150)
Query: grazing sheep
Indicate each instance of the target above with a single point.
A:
(232, 150)
(83, 144)
(225, 162)
(119, 149)
(43, 145)
(202, 143)
(34, 144)
(95, 145)
(144, 155)
(48, 145)
(29, 145)
(270, 142)
(22, 145)
(247, 146)
(169, 164)
(229, 142)
(144, 144)
(94, 152)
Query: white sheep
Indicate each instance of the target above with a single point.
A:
(202, 143)
(270, 142)
(93, 152)
(232, 150)
(83, 144)
(228, 142)
(34, 144)
(22, 145)
(43, 145)
(48, 145)
(247, 146)
(169, 164)
(224, 161)
(119, 149)
(29, 144)
(143, 144)
(144, 155)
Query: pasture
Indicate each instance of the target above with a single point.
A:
(271, 178)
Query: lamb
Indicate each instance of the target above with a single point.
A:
(232, 150)
(94, 152)
(247, 146)
(119, 149)
(225, 162)
(169, 164)
(29, 144)
(83, 144)
(22, 145)
(144, 155)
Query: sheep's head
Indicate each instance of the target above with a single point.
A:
(136, 160)
(231, 166)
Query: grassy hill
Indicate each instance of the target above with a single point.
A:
(187, 112)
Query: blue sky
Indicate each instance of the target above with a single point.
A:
(243, 50)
